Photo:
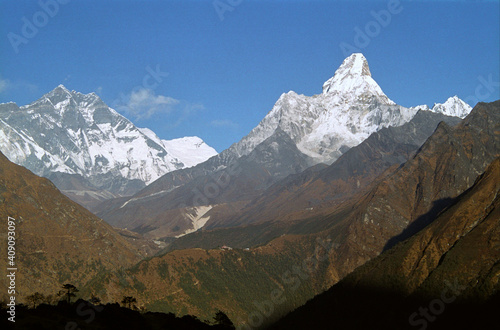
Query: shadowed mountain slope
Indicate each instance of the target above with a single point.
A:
(396, 204)
(165, 213)
(445, 276)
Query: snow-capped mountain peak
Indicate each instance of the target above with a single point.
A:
(61, 87)
(353, 82)
(453, 106)
(356, 64)
(77, 133)
(190, 150)
(351, 107)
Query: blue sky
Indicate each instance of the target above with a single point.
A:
(215, 68)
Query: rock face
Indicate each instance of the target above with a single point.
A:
(307, 130)
(57, 240)
(407, 198)
(398, 203)
(69, 133)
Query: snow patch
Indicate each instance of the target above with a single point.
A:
(197, 217)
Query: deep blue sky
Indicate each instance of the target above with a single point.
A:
(224, 75)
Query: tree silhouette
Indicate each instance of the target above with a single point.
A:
(50, 299)
(68, 291)
(35, 298)
(222, 319)
(94, 300)
(128, 301)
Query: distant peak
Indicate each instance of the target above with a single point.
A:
(58, 92)
(454, 99)
(355, 64)
(354, 67)
(453, 106)
(353, 82)
(451, 101)
(61, 90)
(61, 86)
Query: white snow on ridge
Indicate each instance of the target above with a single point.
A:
(92, 139)
(17, 147)
(150, 134)
(190, 150)
(453, 107)
(353, 79)
(351, 107)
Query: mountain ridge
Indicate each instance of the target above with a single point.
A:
(78, 134)
(453, 262)
(57, 240)
(322, 127)
(198, 279)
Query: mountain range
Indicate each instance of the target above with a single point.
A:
(404, 202)
(88, 149)
(298, 132)
(366, 209)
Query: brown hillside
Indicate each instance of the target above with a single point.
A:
(451, 267)
(57, 240)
